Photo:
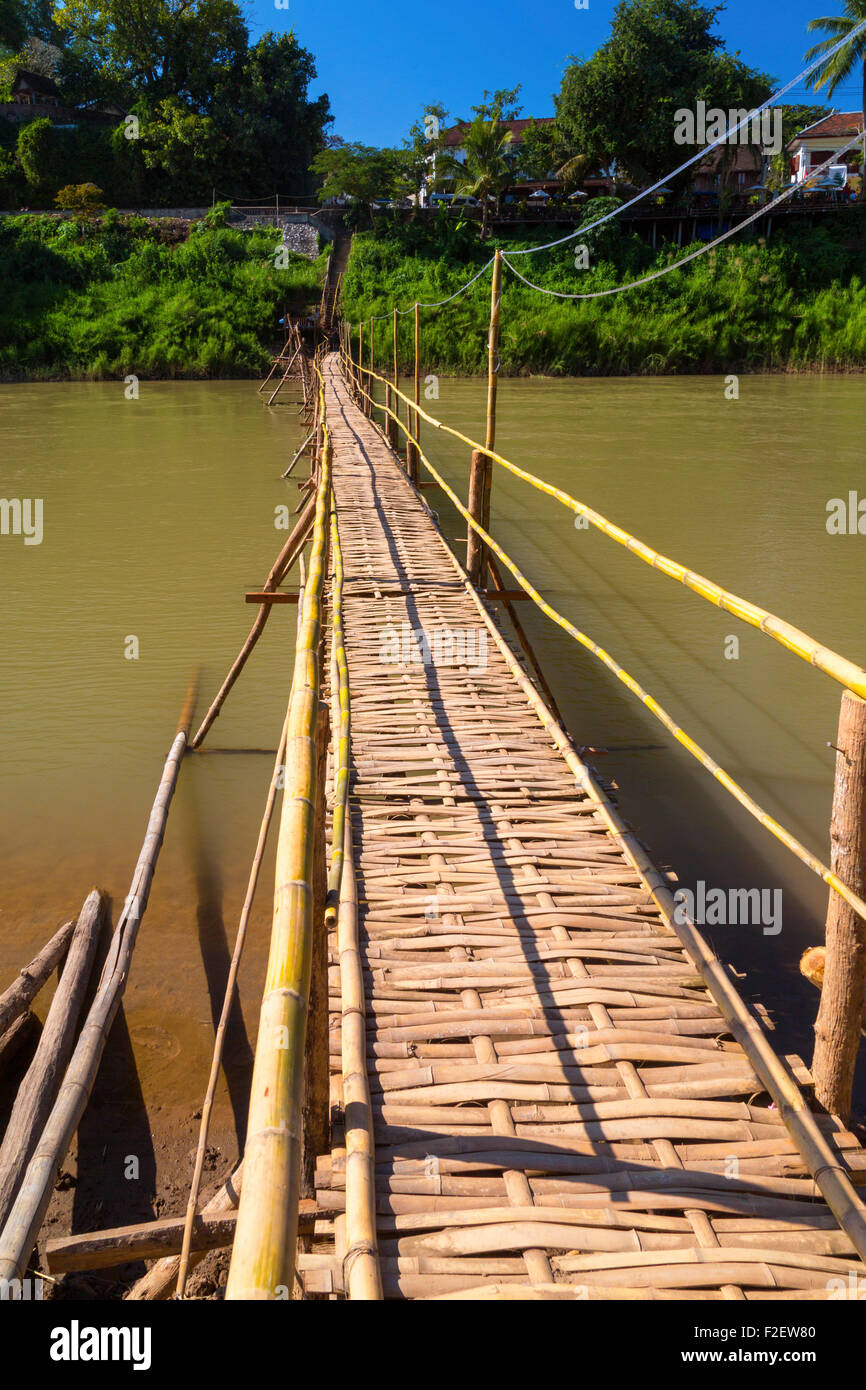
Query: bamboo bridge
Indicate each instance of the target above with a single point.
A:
(557, 1092)
(492, 1062)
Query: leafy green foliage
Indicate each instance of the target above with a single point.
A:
(798, 302)
(108, 297)
(661, 56)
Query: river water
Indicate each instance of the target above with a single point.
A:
(159, 513)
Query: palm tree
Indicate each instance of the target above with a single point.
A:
(486, 171)
(849, 58)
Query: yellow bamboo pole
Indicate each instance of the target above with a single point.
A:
(846, 672)
(263, 1258)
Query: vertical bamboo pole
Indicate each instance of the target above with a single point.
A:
(482, 468)
(414, 417)
(840, 1014)
(372, 369)
(361, 363)
(394, 434)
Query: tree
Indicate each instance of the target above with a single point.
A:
(486, 171)
(501, 105)
(80, 197)
(156, 49)
(362, 172)
(273, 130)
(849, 58)
(184, 148)
(537, 155)
(618, 108)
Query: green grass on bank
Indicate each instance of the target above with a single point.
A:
(113, 296)
(797, 302)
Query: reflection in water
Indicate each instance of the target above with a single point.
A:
(203, 848)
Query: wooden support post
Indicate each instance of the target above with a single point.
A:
(317, 1103)
(394, 434)
(359, 379)
(414, 417)
(372, 369)
(482, 468)
(840, 1015)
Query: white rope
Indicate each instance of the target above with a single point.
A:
(693, 255)
(703, 151)
(376, 318)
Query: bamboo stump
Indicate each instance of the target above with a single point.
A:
(840, 1015)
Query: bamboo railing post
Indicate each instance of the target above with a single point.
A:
(369, 403)
(840, 1013)
(317, 1106)
(395, 441)
(360, 373)
(413, 418)
(482, 466)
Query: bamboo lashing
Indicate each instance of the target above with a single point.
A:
(263, 1257)
(784, 836)
(25, 1218)
(846, 672)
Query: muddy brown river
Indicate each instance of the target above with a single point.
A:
(158, 513)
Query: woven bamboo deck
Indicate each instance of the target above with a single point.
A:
(560, 1109)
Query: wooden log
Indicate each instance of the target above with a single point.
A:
(159, 1281)
(39, 1087)
(25, 1027)
(148, 1241)
(840, 1014)
(316, 1108)
(286, 558)
(22, 1226)
(16, 999)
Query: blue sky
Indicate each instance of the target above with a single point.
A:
(380, 61)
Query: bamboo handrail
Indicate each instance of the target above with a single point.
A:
(691, 745)
(846, 672)
(263, 1258)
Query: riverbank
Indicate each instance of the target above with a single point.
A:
(797, 303)
(108, 297)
